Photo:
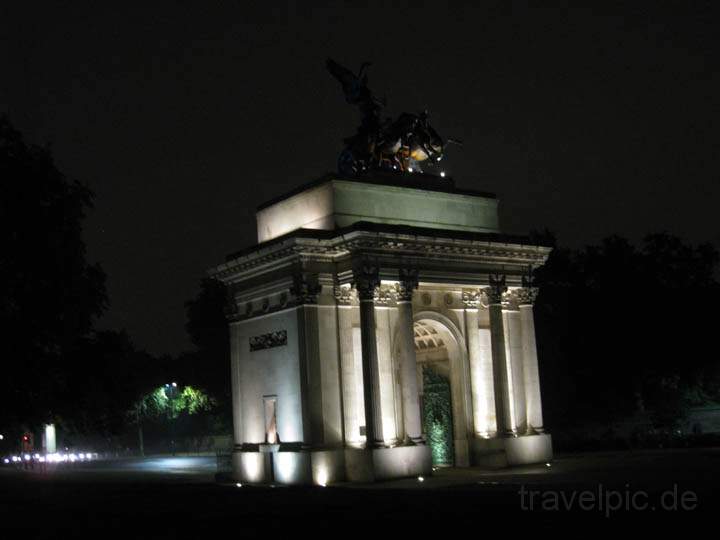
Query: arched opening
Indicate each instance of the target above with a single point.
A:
(444, 388)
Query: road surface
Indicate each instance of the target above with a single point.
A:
(177, 497)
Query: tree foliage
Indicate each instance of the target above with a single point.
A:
(209, 364)
(162, 402)
(106, 376)
(624, 329)
(49, 293)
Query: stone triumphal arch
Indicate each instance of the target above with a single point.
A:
(381, 326)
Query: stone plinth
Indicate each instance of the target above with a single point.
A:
(335, 203)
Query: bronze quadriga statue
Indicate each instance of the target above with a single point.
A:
(382, 143)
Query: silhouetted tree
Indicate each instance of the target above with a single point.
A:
(624, 330)
(49, 292)
(108, 376)
(209, 365)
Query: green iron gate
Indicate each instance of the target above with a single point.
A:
(437, 417)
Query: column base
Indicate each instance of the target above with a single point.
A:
(498, 452)
(292, 465)
(529, 449)
(370, 465)
(288, 465)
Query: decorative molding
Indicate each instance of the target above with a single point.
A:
(391, 244)
(268, 341)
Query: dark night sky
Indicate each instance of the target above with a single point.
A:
(182, 118)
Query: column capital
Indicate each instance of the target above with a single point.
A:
(494, 293)
(384, 295)
(367, 279)
(526, 295)
(510, 300)
(305, 288)
(231, 307)
(471, 298)
(408, 281)
(344, 295)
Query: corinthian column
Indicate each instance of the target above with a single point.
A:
(494, 294)
(366, 281)
(516, 361)
(408, 363)
(526, 297)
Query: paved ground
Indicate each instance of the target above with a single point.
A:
(177, 497)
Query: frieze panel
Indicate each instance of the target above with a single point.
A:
(268, 341)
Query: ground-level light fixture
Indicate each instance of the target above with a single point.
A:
(238, 484)
(442, 174)
(421, 479)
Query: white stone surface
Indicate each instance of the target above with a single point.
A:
(292, 468)
(252, 467)
(531, 372)
(480, 354)
(269, 372)
(349, 342)
(401, 461)
(516, 361)
(339, 203)
(528, 449)
(328, 466)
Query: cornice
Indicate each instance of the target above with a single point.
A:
(447, 247)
